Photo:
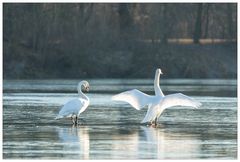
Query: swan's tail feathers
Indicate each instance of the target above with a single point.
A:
(134, 97)
(179, 99)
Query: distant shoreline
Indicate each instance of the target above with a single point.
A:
(218, 60)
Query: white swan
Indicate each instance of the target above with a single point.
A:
(156, 104)
(72, 109)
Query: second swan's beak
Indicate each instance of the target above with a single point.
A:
(87, 89)
(160, 71)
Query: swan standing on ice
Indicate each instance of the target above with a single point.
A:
(156, 104)
(75, 107)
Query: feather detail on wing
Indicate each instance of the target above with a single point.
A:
(134, 97)
(178, 99)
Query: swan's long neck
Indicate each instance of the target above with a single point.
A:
(80, 93)
(157, 89)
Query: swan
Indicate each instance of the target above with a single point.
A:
(156, 104)
(73, 108)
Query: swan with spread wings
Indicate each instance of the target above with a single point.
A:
(156, 104)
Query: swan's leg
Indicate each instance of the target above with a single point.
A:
(76, 120)
(155, 122)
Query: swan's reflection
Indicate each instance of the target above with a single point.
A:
(164, 145)
(138, 142)
(154, 143)
(75, 141)
(125, 145)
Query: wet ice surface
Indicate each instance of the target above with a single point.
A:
(111, 130)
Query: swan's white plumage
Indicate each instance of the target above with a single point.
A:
(134, 97)
(151, 114)
(178, 99)
(75, 107)
(156, 104)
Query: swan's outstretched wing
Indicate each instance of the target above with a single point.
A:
(134, 97)
(178, 99)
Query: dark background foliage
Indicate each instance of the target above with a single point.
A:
(119, 40)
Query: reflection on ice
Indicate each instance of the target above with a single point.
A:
(170, 145)
(136, 142)
(75, 139)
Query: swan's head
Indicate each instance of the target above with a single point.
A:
(159, 71)
(84, 85)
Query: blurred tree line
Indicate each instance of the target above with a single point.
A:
(75, 40)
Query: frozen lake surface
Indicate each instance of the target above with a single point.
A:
(112, 130)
